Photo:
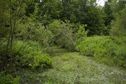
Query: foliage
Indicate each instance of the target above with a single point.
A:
(104, 49)
(91, 45)
(8, 79)
(33, 30)
(4, 18)
(63, 34)
(27, 55)
(119, 6)
(31, 55)
(118, 32)
(48, 10)
(109, 16)
(81, 33)
(94, 21)
(29, 30)
(119, 26)
(76, 11)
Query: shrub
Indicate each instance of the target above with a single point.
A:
(121, 56)
(35, 31)
(118, 33)
(103, 49)
(27, 55)
(59, 33)
(30, 54)
(119, 25)
(81, 34)
(66, 34)
(63, 34)
(92, 45)
(8, 79)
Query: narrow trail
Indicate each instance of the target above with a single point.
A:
(72, 68)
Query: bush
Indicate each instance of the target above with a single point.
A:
(63, 34)
(92, 45)
(121, 55)
(103, 49)
(66, 34)
(31, 55)
(118, 33)
(119, 25)
(59, 33)
(8, 79)
(34, 31)
(81, 33)
(28, 55)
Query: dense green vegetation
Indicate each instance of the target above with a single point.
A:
(104, 49)
(62, 42)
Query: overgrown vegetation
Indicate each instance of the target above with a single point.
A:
(8, 79)
(32, 32)
(104, 49)
(26, 55)
(73, 68)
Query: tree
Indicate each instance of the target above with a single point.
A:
(47, 11)
(121, 4)
(108, 15)
(12, 12)
(4, 18)
(119, 25)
